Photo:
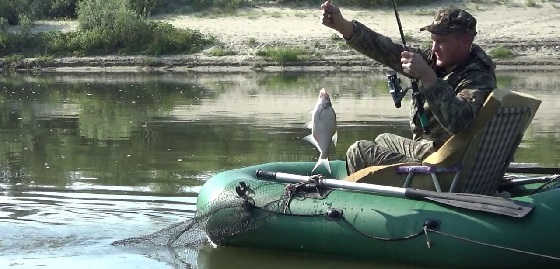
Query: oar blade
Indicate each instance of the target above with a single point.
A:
(514, 209)
(478, 202)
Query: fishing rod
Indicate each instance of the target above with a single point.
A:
(396, 90)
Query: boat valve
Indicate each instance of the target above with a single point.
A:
(430, 225)
(243, 191)
(334, 214)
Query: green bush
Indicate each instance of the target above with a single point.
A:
(221, 51)
(9, 12)
(62, 8)
(166, 39)
(11, 43)
(109, 26)
(153, 39)
(3, 24)
(501, 53)
(143, 7)
(282, 55)
(106, 27)
(12, 10)
(102, 14)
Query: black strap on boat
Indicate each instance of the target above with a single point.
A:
(400, 238)
(493, 245)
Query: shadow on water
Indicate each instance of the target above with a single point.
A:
(237, 257)
(90, 152)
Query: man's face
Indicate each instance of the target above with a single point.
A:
(450, 49)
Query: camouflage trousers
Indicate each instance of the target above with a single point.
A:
(386, 149)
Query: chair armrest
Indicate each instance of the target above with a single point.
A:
(426, 169)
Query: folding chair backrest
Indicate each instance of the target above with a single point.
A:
(491, 150)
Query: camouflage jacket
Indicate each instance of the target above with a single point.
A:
(453, 102)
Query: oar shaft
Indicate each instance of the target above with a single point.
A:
(339, 184)
(490, 204)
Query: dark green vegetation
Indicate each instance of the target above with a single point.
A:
(106, 27)
(501, 53)
(283, 55)
(14, 10)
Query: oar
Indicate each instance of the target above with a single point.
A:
(531, 168)
(490, 204)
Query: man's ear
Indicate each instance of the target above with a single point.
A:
(467, 38)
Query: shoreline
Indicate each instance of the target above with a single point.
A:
(532, 34)
(231, 64)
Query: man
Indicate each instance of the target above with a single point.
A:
(455, 77)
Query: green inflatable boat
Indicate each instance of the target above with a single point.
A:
(240, 209)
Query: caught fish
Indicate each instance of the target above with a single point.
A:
(323, 129)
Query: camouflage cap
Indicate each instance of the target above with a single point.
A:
(452, 20)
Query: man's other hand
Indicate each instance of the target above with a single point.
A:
(415, 66)
(332, 18)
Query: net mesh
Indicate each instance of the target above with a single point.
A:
(238, 204)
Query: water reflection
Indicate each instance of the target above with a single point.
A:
(83, 154)
(166, 131)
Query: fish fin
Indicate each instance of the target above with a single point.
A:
(335, 138)
(309, 125)
(312, 140)
(324, 162)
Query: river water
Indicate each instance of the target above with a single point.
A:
(89, 159)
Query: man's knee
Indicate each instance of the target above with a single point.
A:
(383, 138)
(355, 149)
(357, 155)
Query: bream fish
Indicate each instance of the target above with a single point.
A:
(323, 129)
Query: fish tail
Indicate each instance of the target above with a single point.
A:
(324, 162)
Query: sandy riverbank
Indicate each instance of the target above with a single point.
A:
(532, 33)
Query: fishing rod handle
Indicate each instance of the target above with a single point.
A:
(265, 174)
(279, 176)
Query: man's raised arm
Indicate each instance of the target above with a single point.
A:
(361, 38)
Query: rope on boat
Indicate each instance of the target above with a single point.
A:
(493, 245)
(406, 237)
(292, 191)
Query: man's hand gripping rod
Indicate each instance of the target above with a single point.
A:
(394, 84)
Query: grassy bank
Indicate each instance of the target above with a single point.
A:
(283, 55)
(106, 27)
(150, 39)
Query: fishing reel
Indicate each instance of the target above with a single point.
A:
(395, 89)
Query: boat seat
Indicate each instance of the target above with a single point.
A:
(472, 161)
